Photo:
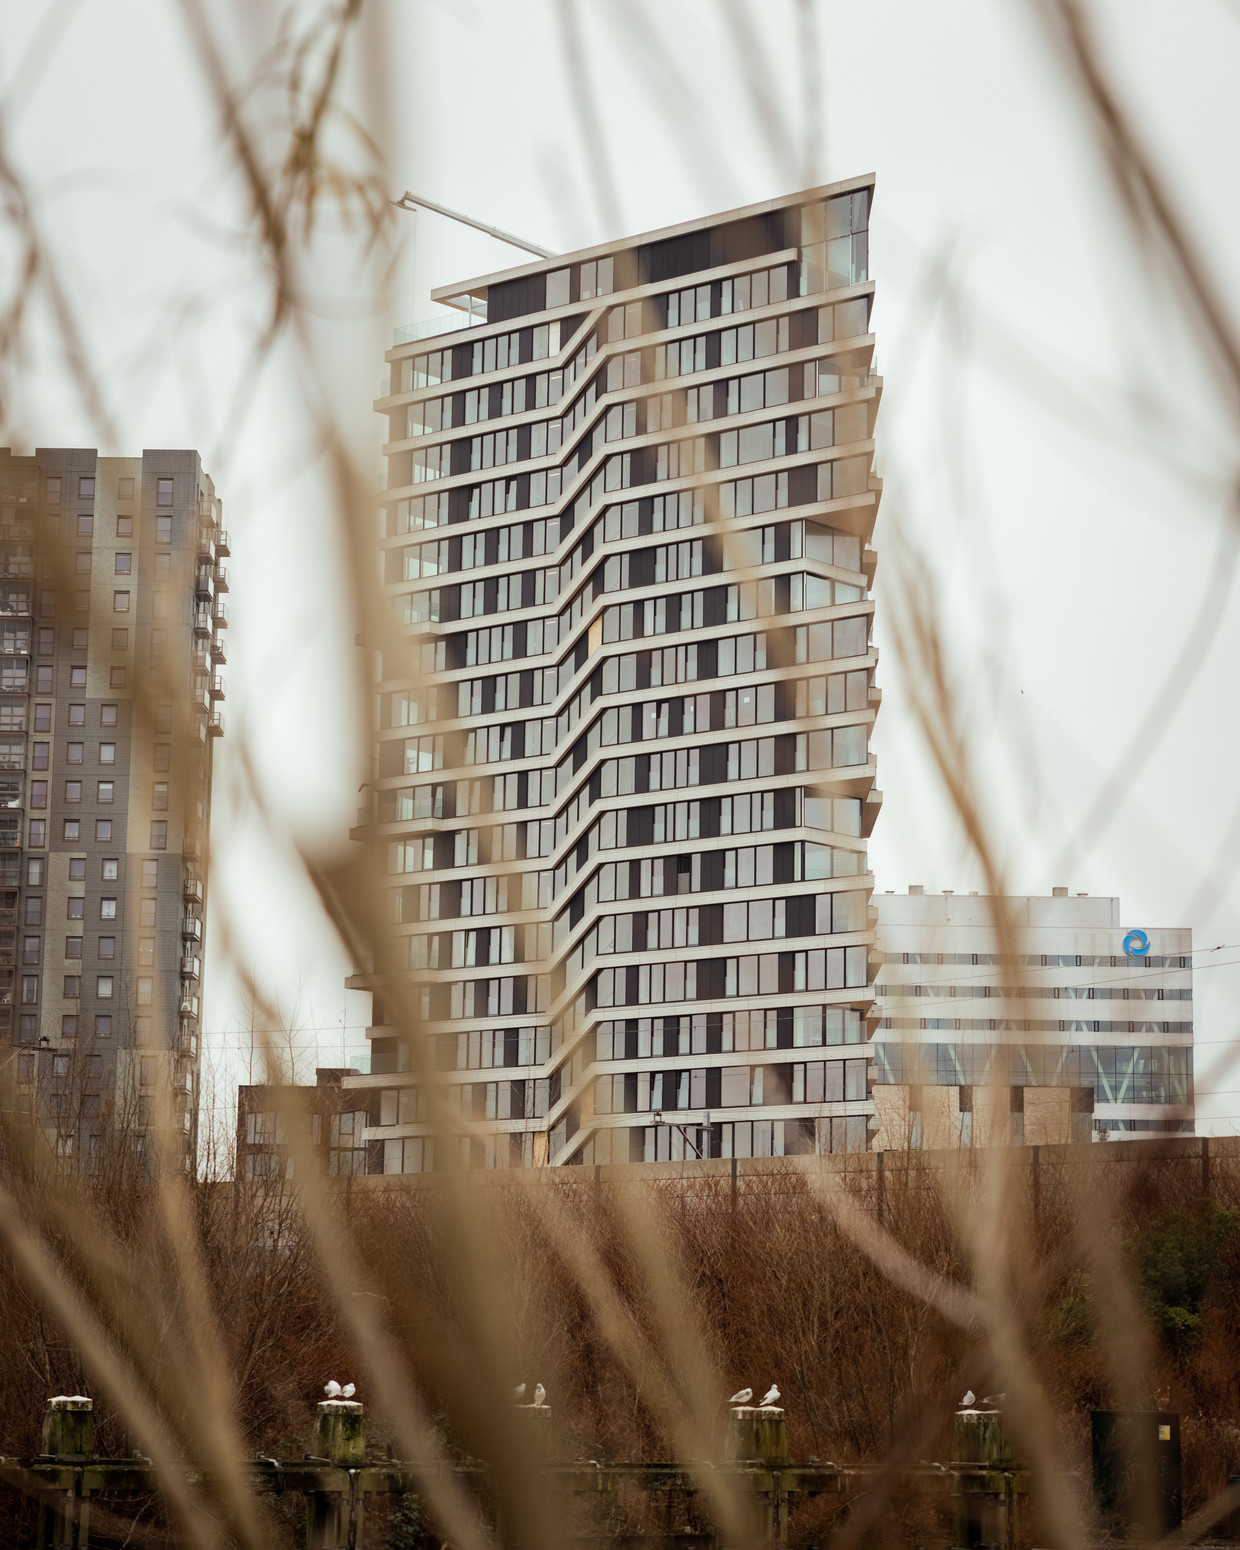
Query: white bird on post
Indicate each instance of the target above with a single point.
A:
(968, 1399)
(741, 1397)
(332, 1389)
(518, 1394)
(348, 1391)
(771, 1397)
(540, 1394)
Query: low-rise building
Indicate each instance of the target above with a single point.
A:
(1082, 1028)
(324, 1123)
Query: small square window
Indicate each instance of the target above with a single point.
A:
(85, 527)
(77, 680)
(34, 910)
(111, 869)
(116, 678)
(163, 718)
(43, 718)
(82, 563)
(73, 986)
(73, 753)
(39, 756)
(120, 640)
(107, 909)
(124, 564)
(77, 869)
(103, 830)
(86, 487)
(163, 492)
(124, 489)
(163, 567)
(47, 605)
(30, 989)
(163, 756)
(159, 834)
(107, 753)
(107, 715)
(144, 992)
(73, 947)
(146, 950)
(120, 602)
(146, 913)
(38, 832)
(53, 492)
(163, 530)
(47, 643)
(68, 1025)
(72, 829)
(34, 872)
(81, 640)
(38, 793)
(77, 715)
(75, 908)
(107, 947)
(124, 527)
(30, 950)
(81, 602)
(106, 789)
(43, 681)
(159, 797)
(158, 641)
(73, 791)
(103, 1026)
(103, 987)
(150, 874)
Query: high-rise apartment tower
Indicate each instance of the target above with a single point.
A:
(111, 609)
(623, 781)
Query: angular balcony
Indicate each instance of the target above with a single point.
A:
(204, 581)
(221, 614)
(203, 625)
(191, 928)
(217, 686)
(191, 888)
(221, 541)
(219, 650)
(215, 726)
(191, 967)
(221, 578)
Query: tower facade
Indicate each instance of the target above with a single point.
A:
(623, 781)
(111, 612)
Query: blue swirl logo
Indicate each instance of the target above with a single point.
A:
(1136, 944)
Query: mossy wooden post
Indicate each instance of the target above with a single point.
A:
(758, 1435)
(982, 1452)
(334, 1518)
(69, 1441)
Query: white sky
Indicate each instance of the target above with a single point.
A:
(1071, 518)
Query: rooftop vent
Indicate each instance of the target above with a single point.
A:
(1059, 893)
(916, 888)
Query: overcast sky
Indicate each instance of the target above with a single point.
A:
(1050, 438)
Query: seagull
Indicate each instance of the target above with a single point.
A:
(348, 1391)
(741, 1397)
(968, 1399)
(518, 1394)
(540, 1394)
(332, 1389)
(994, 1399)
(771, 1397)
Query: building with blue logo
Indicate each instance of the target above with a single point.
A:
(1082, 1028)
